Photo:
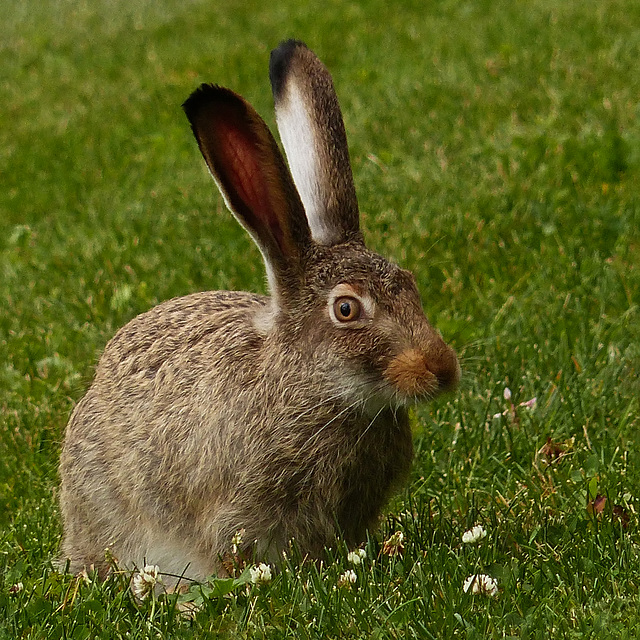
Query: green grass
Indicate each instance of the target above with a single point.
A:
(496, 151)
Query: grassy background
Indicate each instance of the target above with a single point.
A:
(496, 151)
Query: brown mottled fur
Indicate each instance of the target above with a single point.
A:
(223, 411)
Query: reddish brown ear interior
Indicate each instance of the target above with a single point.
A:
(251, 183)
(247, 164)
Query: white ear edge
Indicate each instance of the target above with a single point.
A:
(271, 275)
(297, 135)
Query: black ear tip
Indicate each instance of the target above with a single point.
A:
(204, 94)
(279, 63)
(210, 96)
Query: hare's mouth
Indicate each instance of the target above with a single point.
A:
(371, 394)
(408, 378)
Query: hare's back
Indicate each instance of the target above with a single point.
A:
(180, 333)
(170, 360)
(168, 372)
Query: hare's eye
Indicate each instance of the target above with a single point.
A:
(346, 309)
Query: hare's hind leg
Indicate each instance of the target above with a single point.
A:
(81, 549)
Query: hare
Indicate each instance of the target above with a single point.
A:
(284, 416)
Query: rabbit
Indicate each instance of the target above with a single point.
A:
(281, 416)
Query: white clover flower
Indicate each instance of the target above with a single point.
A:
(260, 573)
(357, 556)
(145, 581)
(473, 535)
(529, 404)
(506, 394)
(236, 541)
(348, 578)
(482, 584)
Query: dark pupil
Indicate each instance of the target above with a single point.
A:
(345, 309)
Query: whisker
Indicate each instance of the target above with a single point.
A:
(323, 402)
(362, 435)
(313, 436)
(474, 346)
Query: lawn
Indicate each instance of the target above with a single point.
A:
(496, 152)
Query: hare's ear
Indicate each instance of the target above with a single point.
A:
(251, 173)
(314, 139)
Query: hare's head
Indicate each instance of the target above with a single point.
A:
(356, 314)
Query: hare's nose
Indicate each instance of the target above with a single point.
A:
(444, 365)
(429, 371)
